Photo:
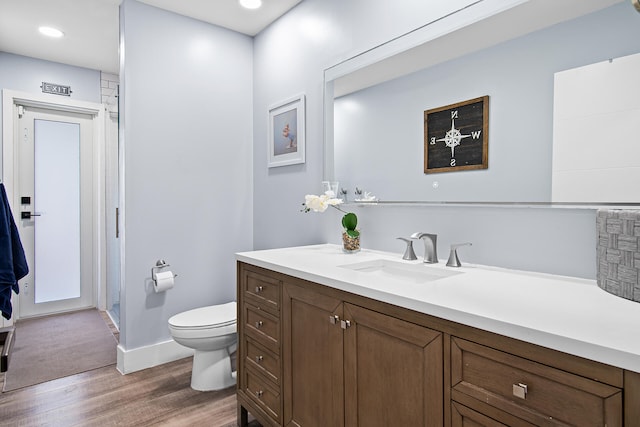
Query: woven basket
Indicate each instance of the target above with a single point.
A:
(619, 252)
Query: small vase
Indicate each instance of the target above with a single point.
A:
(350, 244)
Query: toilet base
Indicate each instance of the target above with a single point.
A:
(211, 370)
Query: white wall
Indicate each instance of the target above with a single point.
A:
(288, 61)
(186, 133)
(24, 74)
(290, 57)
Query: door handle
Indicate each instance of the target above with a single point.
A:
(28, 215)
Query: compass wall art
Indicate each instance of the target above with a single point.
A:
(456, 136)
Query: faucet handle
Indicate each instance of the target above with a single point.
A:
(409, 254)
(453, 260)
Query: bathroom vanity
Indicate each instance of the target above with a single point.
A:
(368, 339)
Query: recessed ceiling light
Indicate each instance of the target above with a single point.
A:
(51, 32)
(251, 4)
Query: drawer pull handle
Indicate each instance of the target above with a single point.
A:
(259, 289)
(259, 359)
(259, 324)
(520, 390)
(259, 393)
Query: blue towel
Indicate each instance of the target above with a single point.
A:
(13, 264)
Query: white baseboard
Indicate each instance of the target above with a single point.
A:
(147, 357)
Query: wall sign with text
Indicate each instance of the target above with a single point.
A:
(56, 89)
(456, 136)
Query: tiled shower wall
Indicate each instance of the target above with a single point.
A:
(109, 91)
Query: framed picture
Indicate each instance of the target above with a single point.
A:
(456, 136)
(286, 132)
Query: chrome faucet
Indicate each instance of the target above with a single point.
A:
(430, 246)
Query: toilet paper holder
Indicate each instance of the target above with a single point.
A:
(160, 264)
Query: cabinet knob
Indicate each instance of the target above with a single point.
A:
(344, 324)
(259, 359)
(334, 319)
(259, 393)
(259, 324)
(520, 390)
(259, 289)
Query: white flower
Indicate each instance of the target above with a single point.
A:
(320, 203)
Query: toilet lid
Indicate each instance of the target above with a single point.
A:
(206, 317)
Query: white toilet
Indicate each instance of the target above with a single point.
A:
(211, 332)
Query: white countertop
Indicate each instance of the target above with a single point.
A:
(562, 313)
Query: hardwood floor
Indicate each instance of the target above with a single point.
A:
(103, 397)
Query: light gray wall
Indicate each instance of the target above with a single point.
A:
(547, 240)
(382, 127)
(557, 241)
(290, 57)
(186, 126)
(24, 74)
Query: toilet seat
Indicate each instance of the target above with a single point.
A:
(205, 322)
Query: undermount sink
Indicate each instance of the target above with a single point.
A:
(415, 273)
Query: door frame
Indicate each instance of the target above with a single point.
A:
(112, 223)
(10, 101)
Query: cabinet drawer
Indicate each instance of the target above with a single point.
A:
(263, 290)
(531, 391)
(263, 360)
(263, 327)
(462, 416)
(265, 395)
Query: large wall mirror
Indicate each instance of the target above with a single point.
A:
(517, 55)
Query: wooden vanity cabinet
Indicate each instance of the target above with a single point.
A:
(311, 355)
(349, 365)
(324, 367)
(259, 376)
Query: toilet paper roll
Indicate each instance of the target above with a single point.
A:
(164, 281)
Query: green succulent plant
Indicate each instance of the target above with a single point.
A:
(350, 222)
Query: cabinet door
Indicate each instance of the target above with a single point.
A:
(313, 361)
(393, 371)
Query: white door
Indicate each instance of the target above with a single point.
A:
(55, 218)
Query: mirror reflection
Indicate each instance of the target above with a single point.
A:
(596, 117)
(376, 134)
